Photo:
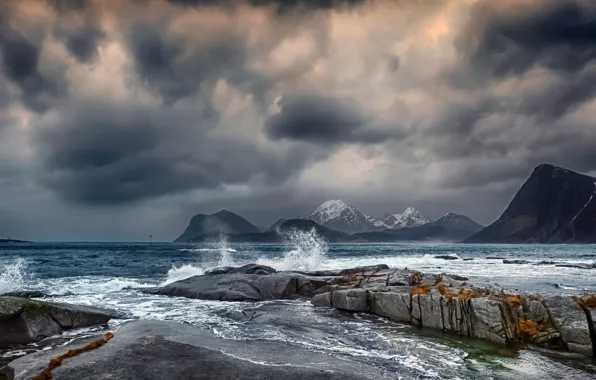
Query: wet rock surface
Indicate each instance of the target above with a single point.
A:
(166, 350)
(442, 302)
(24, 320)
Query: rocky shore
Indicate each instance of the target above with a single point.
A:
(436, 301)
(439, 301)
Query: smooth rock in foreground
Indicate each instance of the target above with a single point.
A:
(24, 321)
(165, 350)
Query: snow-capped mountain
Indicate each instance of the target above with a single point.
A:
(337, 215)
(411, 217)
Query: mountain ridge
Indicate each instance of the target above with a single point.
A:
(554, 205)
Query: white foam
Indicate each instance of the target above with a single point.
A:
(12, 276)
(308, 253)
(182, 272)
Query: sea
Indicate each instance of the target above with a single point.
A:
(111, 275)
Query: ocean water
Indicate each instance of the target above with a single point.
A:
(111, 274)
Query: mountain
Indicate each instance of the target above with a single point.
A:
(451, 227)
(305, 225)
(223, 222)
(409, 218)
(279, 234)
(277, 223)
(555, 205)
(337, 215)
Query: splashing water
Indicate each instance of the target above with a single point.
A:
(12, 276)
(308, 253)
(182, 272)
(225, 253)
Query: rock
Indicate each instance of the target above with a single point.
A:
(253, 269)
(571, 322)
(322, 300)
(219, 270)
(232, 287)
(495, 258)
(468, 259)
(148, 350)
(446, 257)
(253, 282)
(350, 300)
(394, 305)
(546, 262)
(25, 294)
(515, 261)
(576, 265)
(24, 321)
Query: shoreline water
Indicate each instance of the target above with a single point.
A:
(103, 275)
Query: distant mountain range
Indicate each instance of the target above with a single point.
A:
(336, 222)
(337, 215)
(555, 205)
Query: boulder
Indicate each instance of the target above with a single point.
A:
(232, 287)
(24, 321)
(350, 300)
(148, 350)
(570, 320)
(253, 282)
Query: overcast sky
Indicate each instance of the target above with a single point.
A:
(123, 118)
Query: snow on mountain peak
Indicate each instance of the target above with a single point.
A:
(409, 218)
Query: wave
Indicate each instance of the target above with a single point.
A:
(13, 276)
(309, 252)
(182, 272)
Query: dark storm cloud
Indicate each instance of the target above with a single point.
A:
(506, 39)
(109, 153)
(324, 120)
(179, 68)
(20, 61)
(81, 42)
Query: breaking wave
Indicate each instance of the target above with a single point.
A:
(13, 276)
(308, 252)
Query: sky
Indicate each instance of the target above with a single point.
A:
(123, 118)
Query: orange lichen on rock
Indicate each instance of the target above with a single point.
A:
(515, 300)
(442, 288)
(529, 328)
(46, 374)
(438, 279)
(422, 289)
(588, 302)
(468, 294)
(415, 279)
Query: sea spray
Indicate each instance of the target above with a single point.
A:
(309, 250)
(225, 253)
(12, 276)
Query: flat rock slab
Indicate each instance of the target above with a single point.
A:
(165, 350)
(254, 282)
(24, 321)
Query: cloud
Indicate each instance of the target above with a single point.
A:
(509, 38)
(268, 107)
(20, 65)
(325, 120)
